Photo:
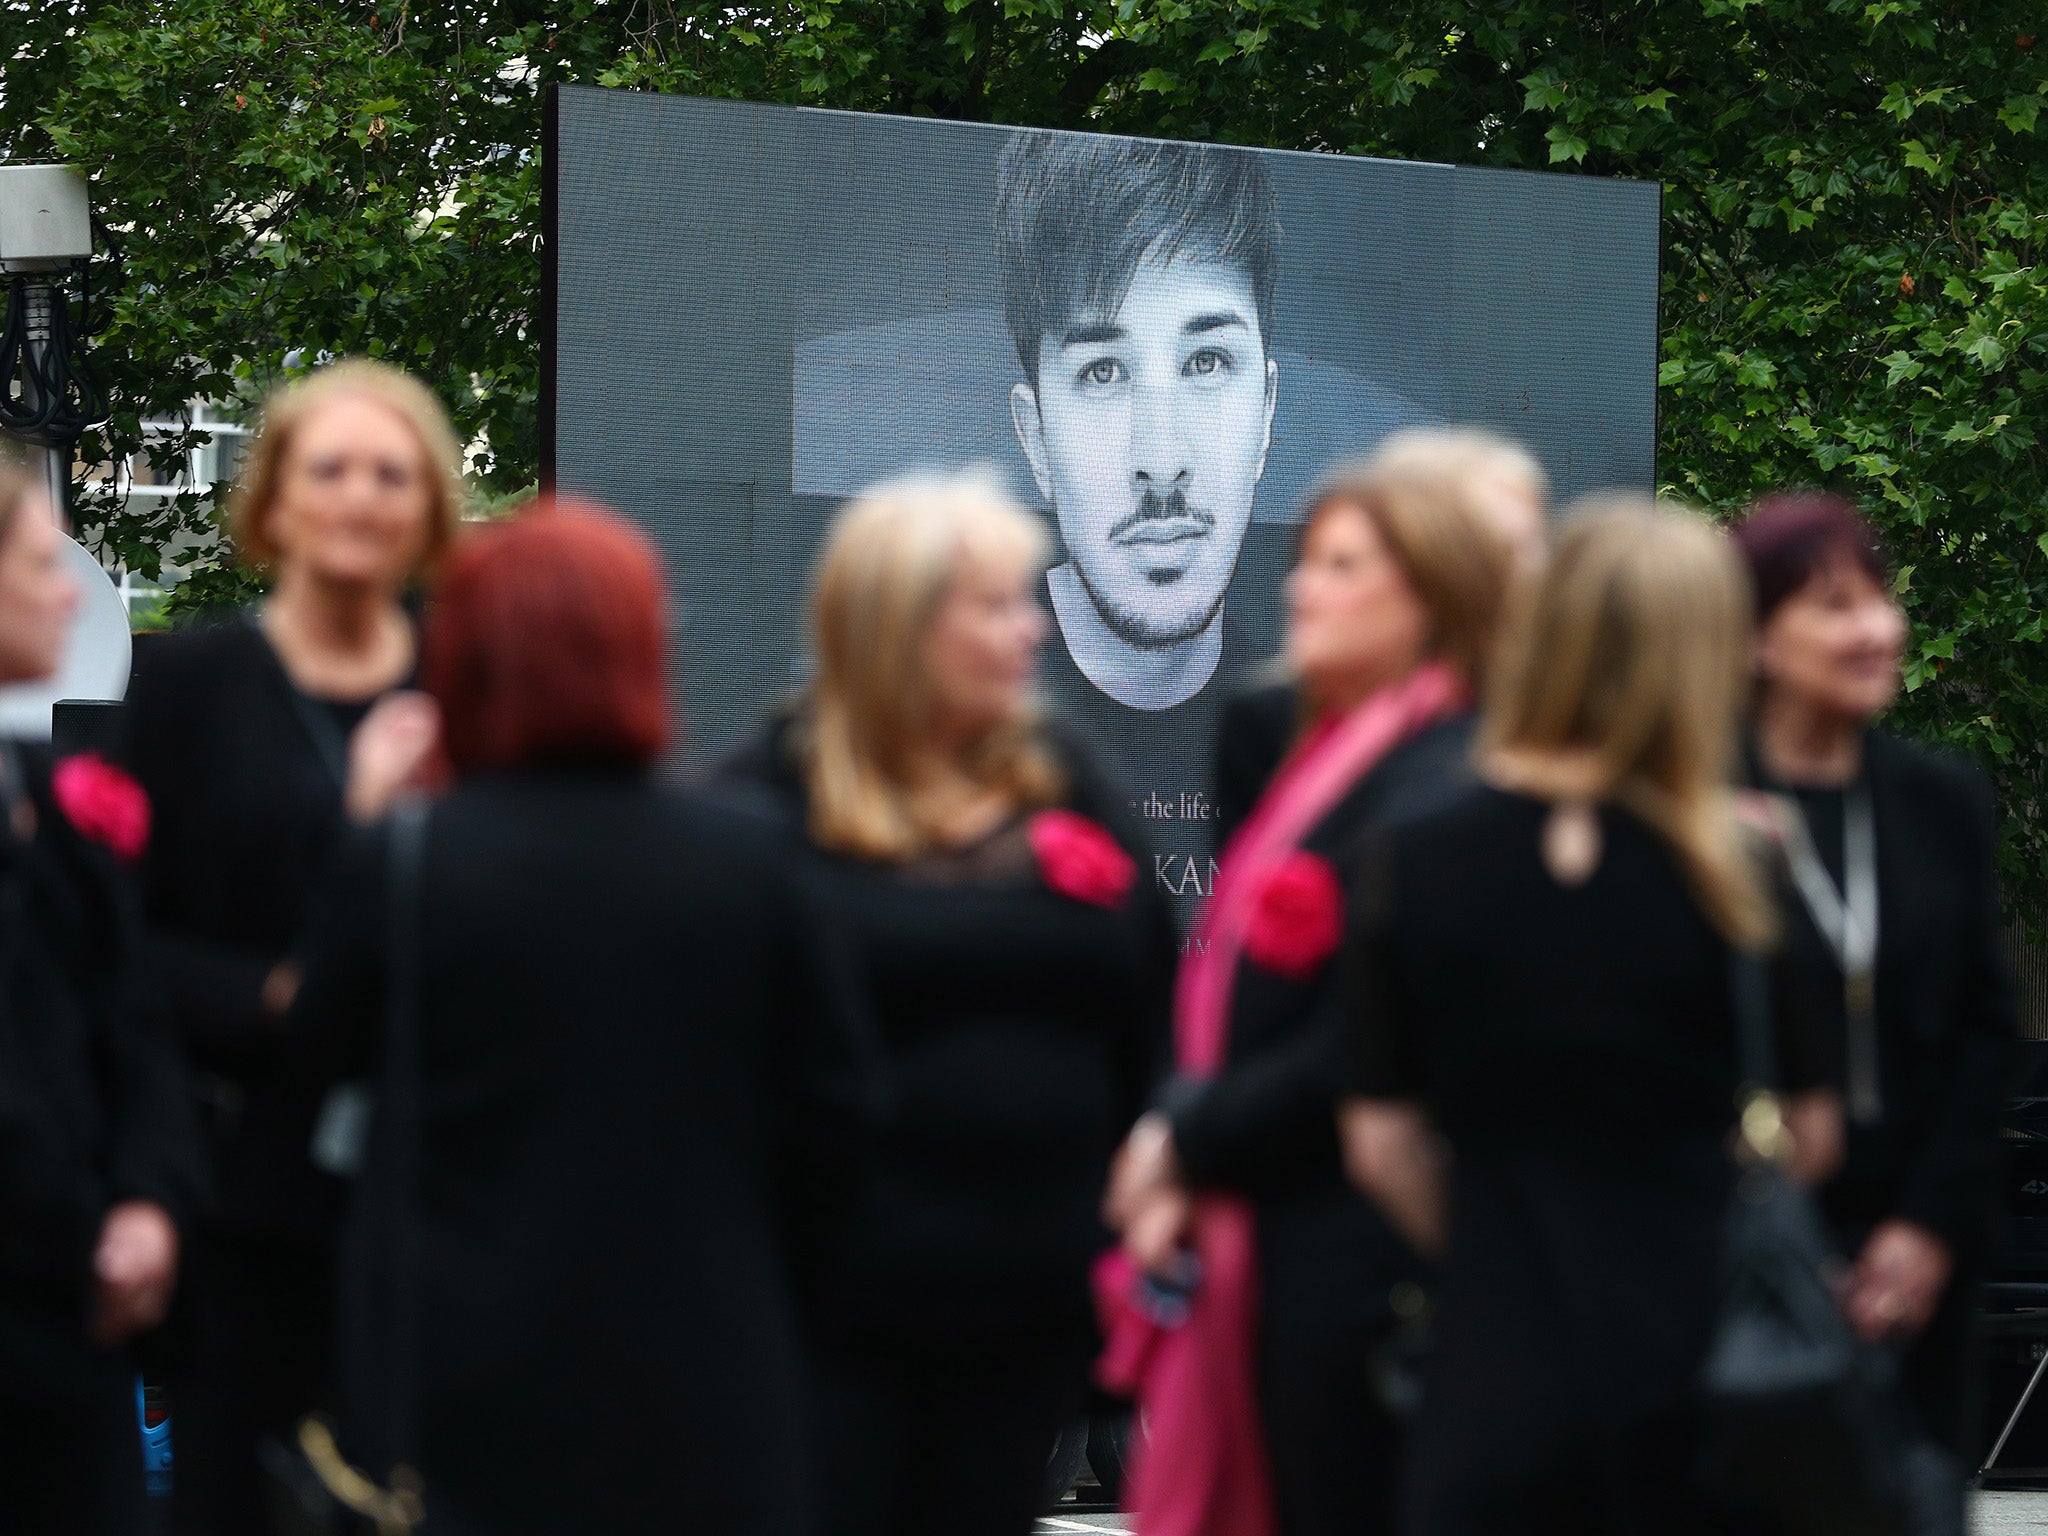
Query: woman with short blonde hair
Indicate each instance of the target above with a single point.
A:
(1545, 1044)
(260, 483)
(992, 915)
(242, 731)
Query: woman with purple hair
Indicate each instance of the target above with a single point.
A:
(1896, 922)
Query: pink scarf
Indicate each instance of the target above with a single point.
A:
(1201, 1469)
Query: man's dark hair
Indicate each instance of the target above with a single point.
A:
(1076, 213)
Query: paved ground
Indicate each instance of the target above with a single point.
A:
(2011, 1514)
(1998, 1514)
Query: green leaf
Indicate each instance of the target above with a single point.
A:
(2020, 113)
(1564, 144)
(1919, 159)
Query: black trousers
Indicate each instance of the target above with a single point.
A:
(940, 1438)
(262, 1320)
(1326, 1266)
(70, 1446)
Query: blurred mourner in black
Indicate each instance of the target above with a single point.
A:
(1896, 923)
(100, 1164)
(1399, 565)
(1542, 984)
(240, 733)
(617, 1071)
(1013, 962)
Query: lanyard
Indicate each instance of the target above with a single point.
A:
(1847, 919)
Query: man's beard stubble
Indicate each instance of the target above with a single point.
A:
(1130, 625)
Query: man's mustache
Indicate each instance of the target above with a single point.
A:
(1155, 508)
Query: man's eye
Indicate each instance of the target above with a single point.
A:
(1104, 370)
(1207, 363)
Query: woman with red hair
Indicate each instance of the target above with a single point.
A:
(609, 1046)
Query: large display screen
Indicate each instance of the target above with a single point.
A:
(756, 311)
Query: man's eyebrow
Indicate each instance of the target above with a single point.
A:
(1096, 331)
(1219, 320)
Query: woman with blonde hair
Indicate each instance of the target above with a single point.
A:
(241, 733)
(1392, 605)
(1001, 935)
(1545, 1040)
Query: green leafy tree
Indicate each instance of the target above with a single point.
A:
(1855, 198)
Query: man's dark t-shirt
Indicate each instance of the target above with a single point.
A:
(1163, 759)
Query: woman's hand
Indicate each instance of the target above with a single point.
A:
(1157, 1233)
(1898, 1280)
(135, 1268)
(1815, 1121)
(1147, 1203)
(280, 989)
(1145, 1166)
(1392, 1157)
(390, 753)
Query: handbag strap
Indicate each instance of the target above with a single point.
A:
(1764, 1136)
(401, 1089)
(1756, 1042)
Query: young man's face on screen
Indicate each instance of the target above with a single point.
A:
(1148, 433)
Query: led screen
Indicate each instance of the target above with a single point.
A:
(756, 311)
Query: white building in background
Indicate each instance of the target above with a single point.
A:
(137, 480)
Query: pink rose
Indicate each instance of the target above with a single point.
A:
(103, 803)
(1079, 859)
(1298, 920)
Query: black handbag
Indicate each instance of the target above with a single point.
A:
(316, 1490)
(1807, 1426)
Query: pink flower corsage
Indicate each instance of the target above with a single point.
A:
(1079, 859)
(103, 803)
(1298, 920)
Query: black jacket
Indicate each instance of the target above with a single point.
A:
(622, 1068)
(1267, 1121)
(246, 777)
(1945, 1010)
(93, 1103)
(1021, 1032)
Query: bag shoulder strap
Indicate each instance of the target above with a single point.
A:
(408, 833)
(1756, 1041)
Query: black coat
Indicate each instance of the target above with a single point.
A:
(1576, 1047)
(1945, 1010)
(246, 777)
(1265, 1126)
(93, 1103)
(621, 1070)
(1266, 1122)
(1021, 1032)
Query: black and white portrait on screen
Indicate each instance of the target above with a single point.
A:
(1137, 282)
(759, 311)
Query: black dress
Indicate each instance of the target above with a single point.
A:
(620, 1073)
(1022, 1031)
(1576, 1048)
(246, 775)
(1329, 1266)
(93, 1110)
(1945, 1027)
